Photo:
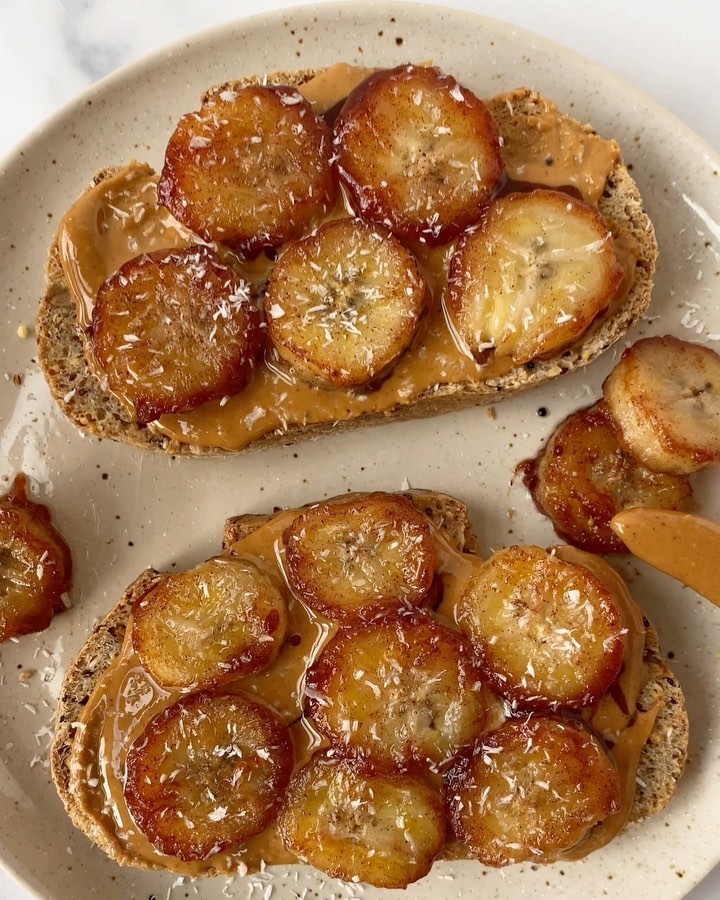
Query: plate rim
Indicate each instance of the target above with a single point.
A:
(336, 9)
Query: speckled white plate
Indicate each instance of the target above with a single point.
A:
(122, 509)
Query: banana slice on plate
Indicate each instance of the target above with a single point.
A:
(174, 328)
(398, 691)
(352, 560)
(418, 153)
(220, 621)
(531, 276)
(207, 773)
(35, 564)
(250, 169)
(583, 477)
(664, 395)
(547, 633)
(530, 790)
(344, 303)
(357, 822)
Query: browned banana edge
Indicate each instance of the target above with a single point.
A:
(83, 400)
(661, 763)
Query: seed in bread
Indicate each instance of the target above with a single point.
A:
(531, 277)
(220, 621)
(35, 564)
(530, 790)
(173, 329)
(664, 395)
(418, 153)
(344, 303)
(207, 773)
(359, 822)
(401, 689)
(547, 633)
(352, 561)
(250, 169)
(582, 477)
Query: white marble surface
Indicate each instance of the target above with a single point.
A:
(52, 49)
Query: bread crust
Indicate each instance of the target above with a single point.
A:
(661, 763)
(83, 400)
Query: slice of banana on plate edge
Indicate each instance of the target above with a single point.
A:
(664, 394)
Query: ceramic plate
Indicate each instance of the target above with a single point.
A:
(122, 509)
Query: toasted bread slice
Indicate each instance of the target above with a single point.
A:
(82, 398)
(661, 762)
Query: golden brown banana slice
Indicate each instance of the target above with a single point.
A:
(418, 153)
(174, 328)
(583, 477)
(401, 689)
(352, 560)
(355, 821)
(547, 633)
(530, 790)
(664, 395)
(207, 773)
(344, 303)
(35, 564)
(532, 276)
(220, 621)
(250, 169)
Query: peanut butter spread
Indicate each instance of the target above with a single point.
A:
(119, 218)
(680, 544)
(125, 698)
(552, 150)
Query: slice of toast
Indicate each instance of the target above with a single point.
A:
(82, 398)
(661, 762)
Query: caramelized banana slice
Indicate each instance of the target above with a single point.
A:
(175, 328)
(664, 395)
(344, 303)
(530, 790)
(353, 560)
(582, 478)
(401, 689)
(220, 621)
(532, 276)
(250, 169)
(357, 822)
(547, 633)
(35, 564)
(207, 774)
(418, 153)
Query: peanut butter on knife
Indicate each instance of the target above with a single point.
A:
(680, 544)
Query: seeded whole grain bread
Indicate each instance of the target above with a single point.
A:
(83, 400)
(661, 763)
